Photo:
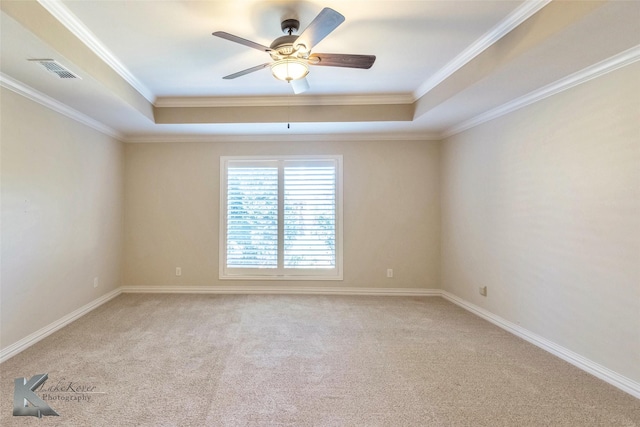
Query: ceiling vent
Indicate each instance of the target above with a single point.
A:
(56, 68)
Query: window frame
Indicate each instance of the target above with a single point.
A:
(281, 273)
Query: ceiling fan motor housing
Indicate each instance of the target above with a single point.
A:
(283, 46)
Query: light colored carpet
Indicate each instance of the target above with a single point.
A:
(256, 360)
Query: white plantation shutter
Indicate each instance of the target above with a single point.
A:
(252, 216)
(281, 218)
(309, 215)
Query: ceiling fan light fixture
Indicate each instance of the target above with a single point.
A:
(289, 69)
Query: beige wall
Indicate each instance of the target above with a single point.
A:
(62, 191)
(543, 207)
(391, 212)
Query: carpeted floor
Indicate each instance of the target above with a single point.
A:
(256, 360)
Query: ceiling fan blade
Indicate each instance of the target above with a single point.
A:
(247, 71)
(326, 21)
(300, 85)
(242, 41)
(342, 60)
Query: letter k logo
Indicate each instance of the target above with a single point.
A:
(23, 395)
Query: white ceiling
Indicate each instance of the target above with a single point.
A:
(457, 59)
(412, 39)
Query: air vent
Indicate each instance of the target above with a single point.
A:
(56, 68)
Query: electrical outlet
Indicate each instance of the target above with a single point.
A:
(178, 271)
(96, 282)
(389, 272)
(483, 290)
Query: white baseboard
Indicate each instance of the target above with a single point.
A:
(282, 290)
(33, 338)
(623, 383)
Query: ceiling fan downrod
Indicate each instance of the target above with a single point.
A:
(290, 26)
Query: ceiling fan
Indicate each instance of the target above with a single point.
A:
(292, 55)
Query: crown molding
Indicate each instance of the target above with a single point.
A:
(57, 106)
(601, 68)
(282, 101)
(78, 29)
(515, 18)
(360, 137)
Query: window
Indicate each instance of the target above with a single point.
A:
(281, 218)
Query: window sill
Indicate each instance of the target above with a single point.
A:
(283, 277)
